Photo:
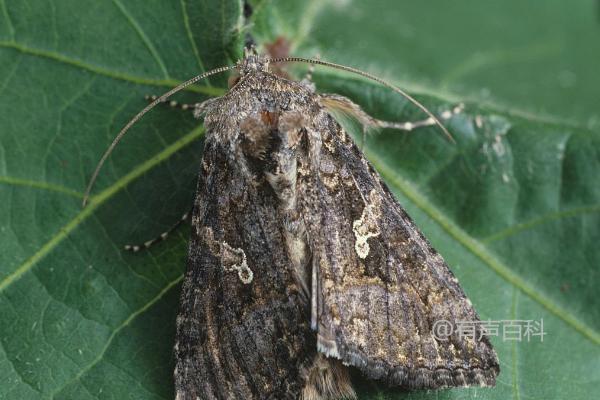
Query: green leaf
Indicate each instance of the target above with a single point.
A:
(513, 206)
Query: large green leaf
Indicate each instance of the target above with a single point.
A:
(513, 206)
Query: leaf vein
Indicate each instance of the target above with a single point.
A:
(453, 98)
(52, 297)
(39, 185)
(503, 234)
(515, 374)
(211, 91)
(138, 29)
(186, 22)
(479, 250)
(119, 251)
(123, 325)
(307, 19)
(97, 201)
(9, 23)
(53, 19)
(134, 379)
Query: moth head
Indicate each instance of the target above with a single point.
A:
(252, 62)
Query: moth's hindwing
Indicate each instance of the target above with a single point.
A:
(380, 286)
(243, 329)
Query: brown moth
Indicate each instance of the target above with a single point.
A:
(302, 263)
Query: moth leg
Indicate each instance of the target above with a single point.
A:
(344, 104)
(311, 70)
(307, 80)
(172, 103)
(409, 126)
(163, 236)
(199, 109)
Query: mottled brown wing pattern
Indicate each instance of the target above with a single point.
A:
(378, 296)
(243, 328)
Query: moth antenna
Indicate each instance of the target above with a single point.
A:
(135, 119)
(372, 77)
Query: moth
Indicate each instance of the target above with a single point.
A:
(301, 263)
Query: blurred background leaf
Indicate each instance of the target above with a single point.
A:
(513, 206)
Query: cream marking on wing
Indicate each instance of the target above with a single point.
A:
(234, 259)
(366, 227)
